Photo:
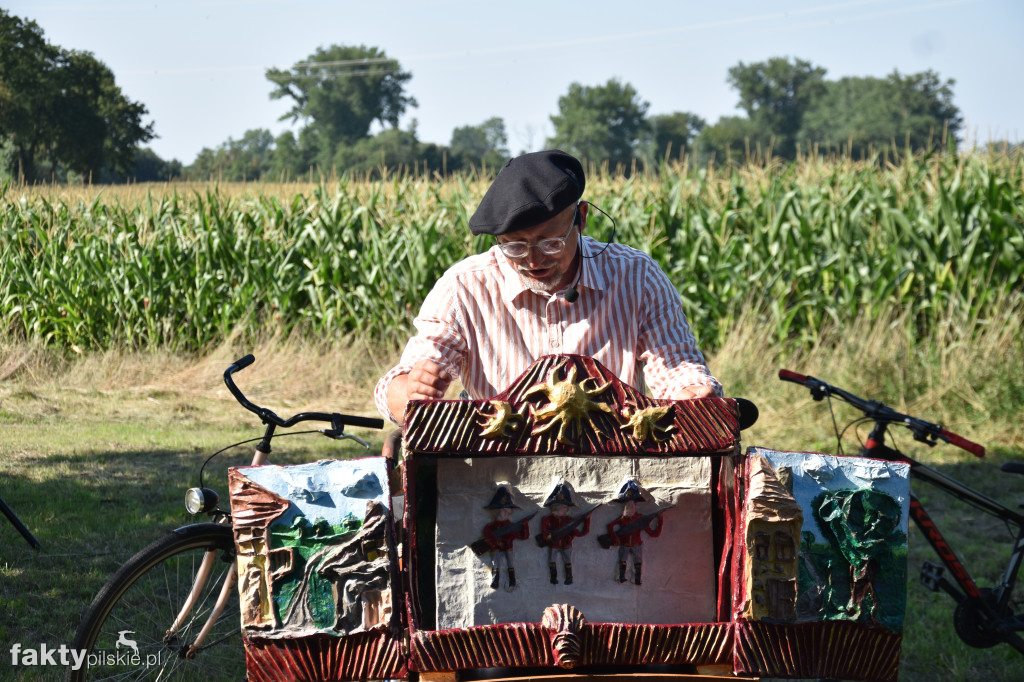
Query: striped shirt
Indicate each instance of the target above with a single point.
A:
(484, 326)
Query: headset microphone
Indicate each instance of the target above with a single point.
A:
(571, 294)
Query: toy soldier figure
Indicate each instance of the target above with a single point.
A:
(500, 533)
(625, 531)
(557, 530)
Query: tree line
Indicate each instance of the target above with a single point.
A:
(338, 94)
(63, 117)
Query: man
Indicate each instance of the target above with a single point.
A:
(543, 289)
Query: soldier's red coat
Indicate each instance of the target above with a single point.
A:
(633, 539)
(552, 522)
(503, 543)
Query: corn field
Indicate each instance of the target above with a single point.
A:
(805, 245)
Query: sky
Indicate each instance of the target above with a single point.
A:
(199, 65)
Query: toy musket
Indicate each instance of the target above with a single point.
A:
(640, 524)
(568, 528)
(481, 546)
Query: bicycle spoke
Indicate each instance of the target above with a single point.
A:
(141, 605)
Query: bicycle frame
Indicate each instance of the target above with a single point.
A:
(19, 526)
(875, 447)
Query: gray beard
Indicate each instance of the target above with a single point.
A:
(537, 285)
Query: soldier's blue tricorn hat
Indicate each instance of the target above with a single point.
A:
(531, 189)
(502, 499)
(560, 495)
(629, 492)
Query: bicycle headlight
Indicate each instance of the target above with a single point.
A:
(200, 500)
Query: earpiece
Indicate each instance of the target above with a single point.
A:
(571, 294)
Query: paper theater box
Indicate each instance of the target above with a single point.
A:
(573, 524)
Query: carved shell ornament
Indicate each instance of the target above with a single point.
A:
(644, 422)
(570, 404)
(501, 424)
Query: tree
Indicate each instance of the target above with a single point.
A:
(392, 149)
(95, 125)
(861, 116)
(290, 159)
(775, 95)
(341, 90)
(601, 123)
(27, 63)
(673, 135)
(485, 144)
(149, 167)
(733, 139)
(236, 160)
(63, 106)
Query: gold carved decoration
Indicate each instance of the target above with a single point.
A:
(502, 423)
(644, 422)
(570, 404)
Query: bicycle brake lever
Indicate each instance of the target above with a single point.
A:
(337, 434)
(922, 436)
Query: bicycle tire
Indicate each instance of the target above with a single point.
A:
(143, 598)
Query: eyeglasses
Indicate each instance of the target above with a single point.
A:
(549, 246)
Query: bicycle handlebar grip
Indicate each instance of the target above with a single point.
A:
(748, 413)
(242, 363)
(963, 443)
(787, 375)
(363, 422)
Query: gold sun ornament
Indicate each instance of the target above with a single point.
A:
(644, 422)
(501, 424)
(570, 404)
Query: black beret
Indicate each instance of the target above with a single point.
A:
(529, 190)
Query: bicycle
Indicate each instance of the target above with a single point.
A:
(177, 598)
(984, 617)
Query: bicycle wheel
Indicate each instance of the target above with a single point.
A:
(142, 600)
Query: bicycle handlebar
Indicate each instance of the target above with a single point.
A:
(924, 431)
(336, 420)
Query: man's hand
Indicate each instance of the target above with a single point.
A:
(696, 391)
(427, 380)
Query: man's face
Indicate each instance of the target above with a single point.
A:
(504, 513)
(539, 271)
(559, 509)
(629, 509)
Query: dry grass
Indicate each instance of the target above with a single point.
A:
(960, 379)
(964, 378)
(288, 375)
